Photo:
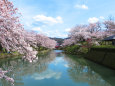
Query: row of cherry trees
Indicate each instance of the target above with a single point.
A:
(93, 31)
(13, 37)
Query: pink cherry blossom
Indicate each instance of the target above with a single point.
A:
(13, 37)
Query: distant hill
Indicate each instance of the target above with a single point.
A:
(59, 40)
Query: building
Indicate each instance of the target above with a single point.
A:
(110, 38)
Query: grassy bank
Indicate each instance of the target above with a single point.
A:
(4, 54)
(7, 55)
(43, 52)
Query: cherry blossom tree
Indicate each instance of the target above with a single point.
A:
(68, 42)
(79, 33)
(93, 31)
(110, 26)
(83, 32)
(12, 33)
(96, 31)
(44, 41)
(13, 37)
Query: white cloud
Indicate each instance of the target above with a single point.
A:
(36, 29)
(48, 20)
(82, 6)
(93, 20)
(68, 29)
(47, 75)
(50, 33)
(59, 34)
(101, 17)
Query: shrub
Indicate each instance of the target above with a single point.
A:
(104, 46)
(83, 50)
(75, 49)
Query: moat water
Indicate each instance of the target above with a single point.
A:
(57, 69)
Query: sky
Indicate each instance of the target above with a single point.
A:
(55, 18)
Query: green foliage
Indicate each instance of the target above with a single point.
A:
(4, 50)
(40, 48)
(75, 49)
(83, 50)
(72, 49)
(104, 46)
(43, 52)
(105, 42)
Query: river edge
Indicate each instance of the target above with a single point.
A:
(66, 62)
(18, 55)
(9, 55)
(104, 57)
(43, 52)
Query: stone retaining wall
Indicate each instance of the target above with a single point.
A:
(102, 56)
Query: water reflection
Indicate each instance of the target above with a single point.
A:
(20, 68)
(57, 69)
(47, 75)
(84, 71)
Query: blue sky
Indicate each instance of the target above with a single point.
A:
(54, 18)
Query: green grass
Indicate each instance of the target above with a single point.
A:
(6, 55)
